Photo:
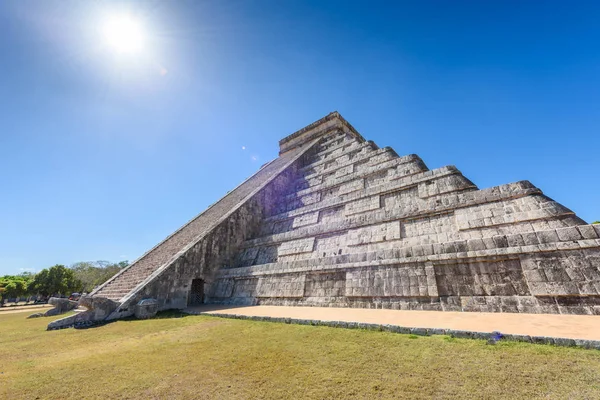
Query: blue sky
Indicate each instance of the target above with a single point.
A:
(103, 154)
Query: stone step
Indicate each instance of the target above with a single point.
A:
(385, 160)
(323, 153)
(365, 147)
(333, 137)
(356, 160)
(338, 176)
(122, 285)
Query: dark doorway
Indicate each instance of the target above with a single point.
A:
(197, 292)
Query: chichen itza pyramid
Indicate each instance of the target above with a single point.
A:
(337, 221)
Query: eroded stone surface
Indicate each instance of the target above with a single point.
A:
(146, 308)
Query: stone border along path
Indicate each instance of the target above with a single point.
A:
(560, 330)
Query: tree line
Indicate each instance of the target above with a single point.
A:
(59, 280)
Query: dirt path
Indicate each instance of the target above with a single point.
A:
(563, 326)
(32, 309)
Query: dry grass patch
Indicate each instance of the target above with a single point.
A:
(196, 357)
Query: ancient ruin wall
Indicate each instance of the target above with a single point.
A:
(366, 228)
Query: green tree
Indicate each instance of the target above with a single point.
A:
(14, 286)
(94, 273)
(596, 222)
(55, 280)
(4, 281)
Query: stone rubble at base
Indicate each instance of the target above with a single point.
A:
(337, 221)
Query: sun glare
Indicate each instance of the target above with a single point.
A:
(123, 34)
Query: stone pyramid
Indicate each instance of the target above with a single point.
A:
(337, 221)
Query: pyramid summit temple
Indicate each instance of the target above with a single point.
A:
(337, 221)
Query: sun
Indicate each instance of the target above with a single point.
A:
(123, 34)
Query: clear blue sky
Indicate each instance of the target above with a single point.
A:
(102, 154)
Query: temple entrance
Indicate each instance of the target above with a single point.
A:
(197, 292)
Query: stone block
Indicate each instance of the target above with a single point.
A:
(348, 169)
(362, 205)
(515, 240)
(475, 244)
(530, 238)
(568, 233)
(281, 286)
(146, 308)
(306, 219)
(546, 237)
(500, 241)
(352, 186)
(296, 247)
(587, 232)
(222, 288)
(535, 275)
(556, 274)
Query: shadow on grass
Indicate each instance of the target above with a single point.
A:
(167, 314)
(160, 315)
(215, 307)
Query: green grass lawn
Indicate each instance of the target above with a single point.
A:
(196, 357)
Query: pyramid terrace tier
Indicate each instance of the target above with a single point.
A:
(358, 163)
(582, 237)
(331, 233)
(460, 211)
(370, 164)
(503, 274)
(395, 175)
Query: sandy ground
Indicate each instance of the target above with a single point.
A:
(31, 308)
(563, 326)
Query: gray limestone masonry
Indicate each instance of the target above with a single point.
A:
(337, 221)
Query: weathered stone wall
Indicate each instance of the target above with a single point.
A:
(565, 282)
(366, 228)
